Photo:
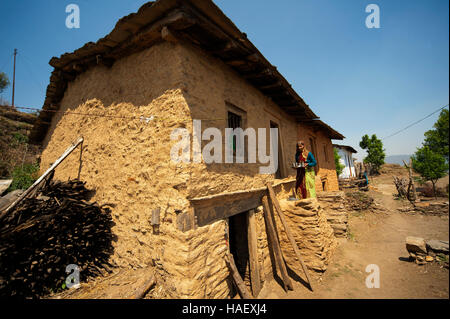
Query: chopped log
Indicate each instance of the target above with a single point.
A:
(253, 253)
(243, 292)
(275, 244)
(288, 232)
(144, 289)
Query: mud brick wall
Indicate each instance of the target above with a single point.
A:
(127, 161)
(335, 211)
(213, 89)
(323, 154)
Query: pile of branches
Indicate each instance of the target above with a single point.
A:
(358, 201)
(41, 236)
(402, 185)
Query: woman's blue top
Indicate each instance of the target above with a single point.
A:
(310, 159)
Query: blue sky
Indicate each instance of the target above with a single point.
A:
(358, 80)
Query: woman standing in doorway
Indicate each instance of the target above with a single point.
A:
(306, 177)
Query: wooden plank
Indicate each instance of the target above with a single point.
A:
(155, 216)
(276, 248)
(253, 253)
(245, 294)
(40, 179)
(288, 232)
(221, 210)
(240, 192)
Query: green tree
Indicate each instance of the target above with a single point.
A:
(437, 138)
(430, 165)
(4, 81)
(375, 152)
(337, 163)
(24, 176)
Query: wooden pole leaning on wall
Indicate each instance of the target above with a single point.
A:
(276, 248)
(288, 232)
(242, 288)
(43, 176)
(253, 253)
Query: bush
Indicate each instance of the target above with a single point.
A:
(430, 165)
(19, 139)
(24, 176)
(339, 167)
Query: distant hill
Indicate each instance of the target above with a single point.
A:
(397, 159)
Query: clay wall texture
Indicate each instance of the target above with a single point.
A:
(127, 161)
(323, 152)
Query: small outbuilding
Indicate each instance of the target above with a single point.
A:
(346, 153)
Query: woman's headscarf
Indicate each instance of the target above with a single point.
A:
(305, 150)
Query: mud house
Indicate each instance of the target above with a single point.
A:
(346, 154)
(158, 70)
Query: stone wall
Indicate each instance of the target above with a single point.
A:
(313, 234)
(335, 211)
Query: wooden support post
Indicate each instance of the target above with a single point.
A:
(81, 160)
(253, 253)
(245, 294)
(276, 248)
(155, 216)
(288, 232)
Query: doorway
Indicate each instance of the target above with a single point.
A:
(278, 174)
(238, 240)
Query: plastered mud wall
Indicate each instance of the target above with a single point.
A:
(126, 161)
(323, 152)
(213, 89)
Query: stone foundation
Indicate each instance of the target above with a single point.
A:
(312, 233)
(336, 214)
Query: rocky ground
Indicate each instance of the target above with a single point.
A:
(377, 236)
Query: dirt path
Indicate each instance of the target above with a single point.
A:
(379, 239)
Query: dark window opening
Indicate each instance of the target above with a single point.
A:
(238, 239)
(325, 152)
(278, 174)
(234, 121)
(313, 150)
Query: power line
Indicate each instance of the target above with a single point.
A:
(403, 129)
(141, 118)
(30, 72)
(8, 61)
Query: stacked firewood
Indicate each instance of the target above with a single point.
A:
(41, 236)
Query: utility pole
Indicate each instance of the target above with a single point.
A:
(14, 76)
